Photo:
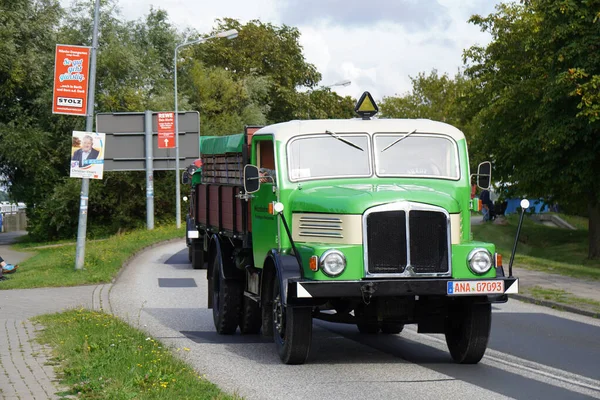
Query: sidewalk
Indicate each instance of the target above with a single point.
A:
(25, 372)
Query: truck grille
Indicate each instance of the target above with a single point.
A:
(419, 247)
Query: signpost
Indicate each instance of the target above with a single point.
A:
(166, 130)
(71, 71)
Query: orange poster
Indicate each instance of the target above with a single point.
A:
(166, 130)
(71, 73)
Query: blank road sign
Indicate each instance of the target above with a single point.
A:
(125, 150)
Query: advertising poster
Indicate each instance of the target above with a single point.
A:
(87, 155)
(71, 72)
(166, 130)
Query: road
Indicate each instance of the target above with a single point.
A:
(534, 352)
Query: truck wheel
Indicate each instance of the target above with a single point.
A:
(250, 321)
(292, 329)
(189, 253)
(197, 254)
(367, 328)
(227, 301)
(468, 331)
(391, 328)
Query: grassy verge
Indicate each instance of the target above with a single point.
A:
(101, 357)
(54, 266)
(562, 297)
(544, 248)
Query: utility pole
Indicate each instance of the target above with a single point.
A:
(89, 125)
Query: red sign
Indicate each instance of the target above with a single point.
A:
(71, 72)
(166, 130)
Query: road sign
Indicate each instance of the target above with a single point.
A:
(125, 133)
(71, 72)
(166, 130)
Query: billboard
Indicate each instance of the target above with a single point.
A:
(87, 155)
(71, 73)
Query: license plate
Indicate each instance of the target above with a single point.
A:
(475, 287)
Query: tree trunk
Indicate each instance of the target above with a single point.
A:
(594, 228)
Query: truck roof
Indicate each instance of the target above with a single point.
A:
(285, 130)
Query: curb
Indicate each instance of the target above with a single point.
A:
(554, 305)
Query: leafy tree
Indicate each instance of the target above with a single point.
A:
(538, 119)
(266, 50)
(323, 103)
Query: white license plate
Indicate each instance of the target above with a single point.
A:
(475, 287)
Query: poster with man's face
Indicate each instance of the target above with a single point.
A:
(87, 155)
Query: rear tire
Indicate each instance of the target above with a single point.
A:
(251, 318)
(226, 301)
(197, 254)
(367, 328)
(292, 329)
(390, 328)
(467, 332)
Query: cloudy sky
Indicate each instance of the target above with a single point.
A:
(377, 44)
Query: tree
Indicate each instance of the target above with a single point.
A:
(538, 121)
(266, 50)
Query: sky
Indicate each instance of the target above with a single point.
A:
(376, 44)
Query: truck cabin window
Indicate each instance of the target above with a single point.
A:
(266, 161)
(415, 155)
(329, 156)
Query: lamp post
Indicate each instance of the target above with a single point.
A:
(345, 82)
(230, 34)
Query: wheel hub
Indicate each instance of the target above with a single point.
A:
(278, 315)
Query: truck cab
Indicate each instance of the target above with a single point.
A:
(361, 221)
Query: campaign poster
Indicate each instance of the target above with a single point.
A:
(87, 155)
(71, 73)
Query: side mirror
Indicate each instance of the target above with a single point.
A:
(185, 178)
(484, 175)
(251, 179)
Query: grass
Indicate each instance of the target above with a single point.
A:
(543, 248)
(563, 297)
(101, 357)
(55, 266)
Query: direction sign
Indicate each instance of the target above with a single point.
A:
(71, 80)
(166, 130)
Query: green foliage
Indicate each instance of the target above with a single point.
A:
(54, 265)
(101, 356)
(537, 116)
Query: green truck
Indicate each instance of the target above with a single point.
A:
(361, 221)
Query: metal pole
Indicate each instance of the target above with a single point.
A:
(149, 171)
(177, 187)
(512, 256)
(89, 125)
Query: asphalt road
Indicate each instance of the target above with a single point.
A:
(534, 353)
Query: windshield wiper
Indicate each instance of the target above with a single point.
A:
(335, 135)
(399, 140)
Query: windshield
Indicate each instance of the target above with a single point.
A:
(323, 156)
(402, 154)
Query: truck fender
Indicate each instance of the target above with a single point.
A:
(222, 250)
(285, 266)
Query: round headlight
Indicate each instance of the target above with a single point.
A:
(332, 262)
(480, 261)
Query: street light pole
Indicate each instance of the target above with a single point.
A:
(230, 34)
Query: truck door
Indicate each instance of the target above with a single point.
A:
(265, 232)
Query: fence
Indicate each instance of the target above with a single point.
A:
(16, 221)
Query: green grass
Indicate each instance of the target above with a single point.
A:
(55, 266)
(563, 297)
(101, 357)
(543, 248)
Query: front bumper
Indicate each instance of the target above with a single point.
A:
(305, 292)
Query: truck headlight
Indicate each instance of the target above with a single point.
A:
(332, 263)
(480, 261)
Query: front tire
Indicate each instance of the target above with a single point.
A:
(468, 331)
(226, 301)
(390, 328)
(292, 329)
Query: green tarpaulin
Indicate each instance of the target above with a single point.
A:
(221, 144)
